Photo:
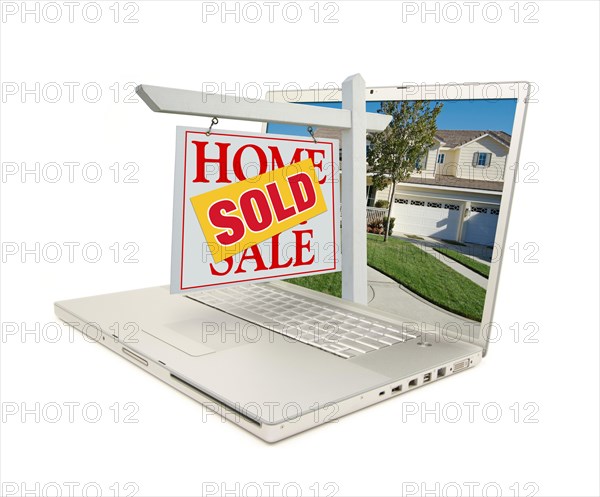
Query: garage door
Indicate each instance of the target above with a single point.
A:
(426, 216)
(480, 226)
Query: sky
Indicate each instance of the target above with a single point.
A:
(497, 115)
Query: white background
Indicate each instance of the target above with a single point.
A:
(172, 450)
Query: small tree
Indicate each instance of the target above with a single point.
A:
(394, 153)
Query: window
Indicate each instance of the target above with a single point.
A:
(482, 159)
(421, 163)
(371, 192)
(441, 158)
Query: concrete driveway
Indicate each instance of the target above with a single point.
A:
(387, 295)
(479, 253)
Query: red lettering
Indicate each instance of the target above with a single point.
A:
(277, 161)
(318, 165)
(299, 246)
(237, 161)
(281, 211)
(303, 191)
(253, 253)
(251, 200)
(234, 227)
(255, 256)
(202, 160)
(214, 271)
(275, 255)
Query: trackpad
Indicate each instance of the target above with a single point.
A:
(278, 377)
(217, 330)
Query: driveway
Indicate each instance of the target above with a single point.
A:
(478, 253)
(387, 295)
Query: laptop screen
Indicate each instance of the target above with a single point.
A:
(444, 199)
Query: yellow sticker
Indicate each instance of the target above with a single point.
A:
(246, 213)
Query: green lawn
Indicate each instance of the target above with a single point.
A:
(415, 269)
(329, 283)
(473, 265)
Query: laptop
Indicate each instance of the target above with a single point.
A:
(278, 358)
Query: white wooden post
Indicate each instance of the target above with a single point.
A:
(354, 187)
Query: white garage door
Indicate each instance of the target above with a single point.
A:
(426, 216)
(480, 226)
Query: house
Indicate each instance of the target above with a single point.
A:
(455, 190)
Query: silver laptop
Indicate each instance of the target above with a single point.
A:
(278, 358)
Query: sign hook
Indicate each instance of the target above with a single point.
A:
(212, 123)
(312, 133)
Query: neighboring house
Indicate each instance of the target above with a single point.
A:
(454, 192)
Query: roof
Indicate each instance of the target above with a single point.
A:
(456, 137)
(329, 133)
(450, 137)
(441, 180)
(454, 182)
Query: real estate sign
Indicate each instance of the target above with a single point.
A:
(251, 207)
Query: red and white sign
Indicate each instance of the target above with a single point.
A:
(251, 207)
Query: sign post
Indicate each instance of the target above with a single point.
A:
(354, 197)
(352, 119)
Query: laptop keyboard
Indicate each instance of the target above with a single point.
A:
(322, 325)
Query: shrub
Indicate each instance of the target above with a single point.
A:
(378, 227)
(382, 204)
(392, 221)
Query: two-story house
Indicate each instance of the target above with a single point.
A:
(456, 189)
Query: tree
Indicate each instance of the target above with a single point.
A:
(395, 152)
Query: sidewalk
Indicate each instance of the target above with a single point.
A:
(428, 245)
(387, 295)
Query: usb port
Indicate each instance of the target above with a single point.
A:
(426, 377)
(397, 389)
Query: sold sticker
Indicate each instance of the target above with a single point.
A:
(243, 214)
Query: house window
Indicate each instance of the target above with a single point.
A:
(441, 158)
(482, 159)
(371, 193)
(421, 162)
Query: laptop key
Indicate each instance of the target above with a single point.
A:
(370, 342)
(388, 340)
(356, 346)
(346, 354)
(395, 335)
(331, 347)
